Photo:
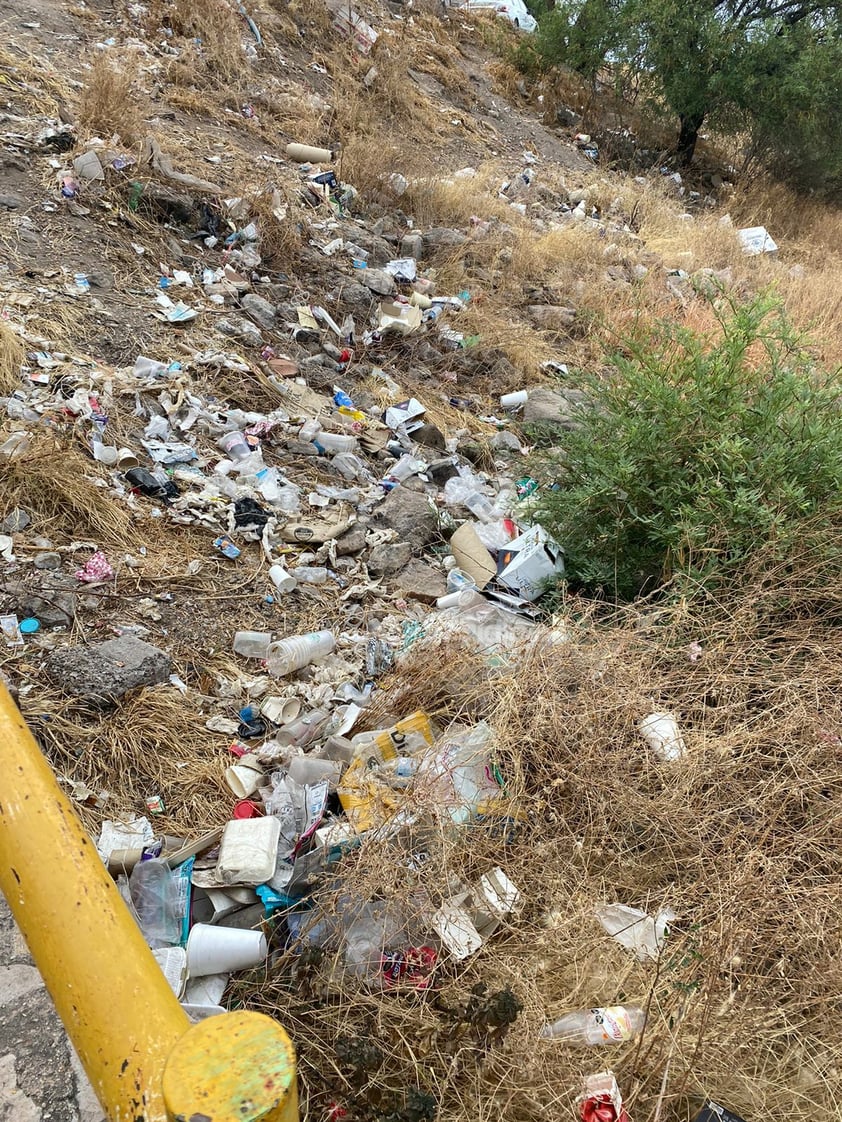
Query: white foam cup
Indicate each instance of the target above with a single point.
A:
(221, 950)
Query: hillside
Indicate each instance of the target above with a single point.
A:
(180, 302)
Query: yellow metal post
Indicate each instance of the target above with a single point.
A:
(118, 1009)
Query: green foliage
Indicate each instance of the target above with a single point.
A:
(702, 456)
(768, 68)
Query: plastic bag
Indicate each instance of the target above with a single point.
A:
(636, 930)
(157, 903)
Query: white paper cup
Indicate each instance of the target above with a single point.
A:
(243, 781)
(126, 459)
(281, 710)
(514, 400)
(662, 736)
(221, 950)
(104, 454)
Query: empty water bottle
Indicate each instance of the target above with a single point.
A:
(613, 1024)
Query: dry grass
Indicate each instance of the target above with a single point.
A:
(108, 104)
(739, 838)
(57, 485)
(221, 33)
(12, 354)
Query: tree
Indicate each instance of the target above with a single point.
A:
(737, 65)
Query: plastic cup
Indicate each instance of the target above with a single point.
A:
(252, 644)
(235, 445)
(221, 950)
(243, 781)
(514, 400)
(126, 459)
(281, 710)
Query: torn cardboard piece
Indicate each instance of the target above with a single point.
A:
(471, 555)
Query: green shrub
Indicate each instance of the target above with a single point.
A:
(701, 456)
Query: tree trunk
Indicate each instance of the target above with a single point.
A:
(690, 125)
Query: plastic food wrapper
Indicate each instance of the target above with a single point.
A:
(713, 1112)
(494, 632)
(662, 735)
(137, 834)
(173, 963)
(96, 569)
(601, 1100)
(636, 930)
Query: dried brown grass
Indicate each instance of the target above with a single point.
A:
(739, 837)
(12, 354)
(220, 31)
(109, 102)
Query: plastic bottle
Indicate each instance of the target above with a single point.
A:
(291, 654)
(481, 506)
(310, 574)
(613, 1024)
(252, 644)
(405, 467)
(458, 579)
(144, 366)
(283, 580)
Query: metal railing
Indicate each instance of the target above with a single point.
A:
(146, 1062)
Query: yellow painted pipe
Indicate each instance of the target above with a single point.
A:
(124, 1020)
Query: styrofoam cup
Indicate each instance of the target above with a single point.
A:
(221, 950)
(243, 781)
(514, 400)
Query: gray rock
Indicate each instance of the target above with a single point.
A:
(240, 328)
(108, 671)
(102, 279)
(505, 441)
(355, 295)
(545, 406)
(552, 317)
(378, 281)
(15, 521)
(412, 246)
(350, 543)
(259, 309)
(11, 202)
(389, 558)
(422, 582)
(54, 607)
(429, 436)
(442, 237)
(442, 470)
(47, 561)
(410, 515)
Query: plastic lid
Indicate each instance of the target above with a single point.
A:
(29, 626)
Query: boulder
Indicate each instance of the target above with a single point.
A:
(422, 582)
(106, 672)
(552, 317)
(389, 558)
(410, 515)
(260, 310)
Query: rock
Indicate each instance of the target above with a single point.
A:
(422, 582)
(56, 608)
(409, 515)
(442, 237)
(429, 436)
(552, 317)
(11, 202)
(378, 281)
(350, 543)
(547, 407)
(378, 249)
(477, 454)
(389, 558)
(355, 295)
(106, 672)
(505, 441)
(442, 470)
(47, 561)
(15, 521)
(240, 328)
(259, 309)
(412, 246)
(101, 279)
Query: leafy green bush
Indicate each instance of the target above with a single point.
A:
(703, 456)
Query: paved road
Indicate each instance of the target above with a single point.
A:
(41, 1079)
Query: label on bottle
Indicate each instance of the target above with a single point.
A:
(614, 1023)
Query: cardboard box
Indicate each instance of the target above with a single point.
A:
(529, 562)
